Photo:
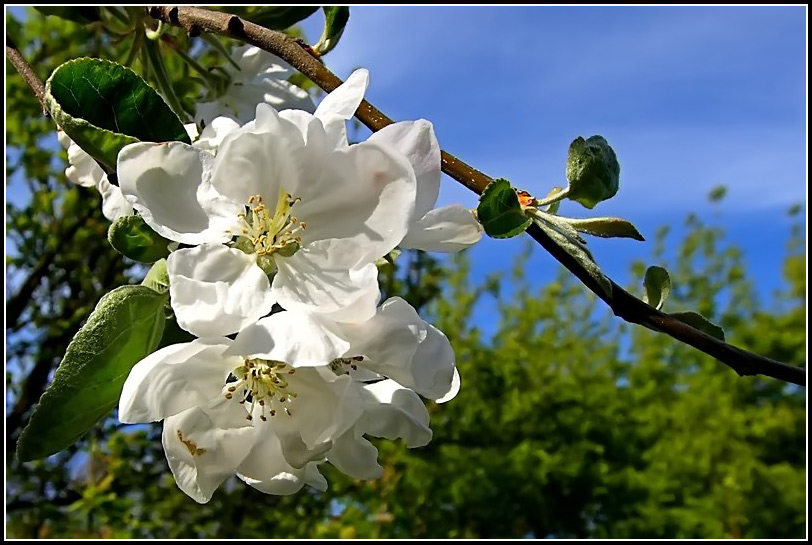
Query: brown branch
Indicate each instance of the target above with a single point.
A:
(622, 303)
(24, 69)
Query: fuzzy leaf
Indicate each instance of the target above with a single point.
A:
(500, 212)
(125, 327)
(592, 171)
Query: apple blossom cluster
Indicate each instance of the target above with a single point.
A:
(277, 224)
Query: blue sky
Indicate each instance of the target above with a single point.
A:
(689, 97)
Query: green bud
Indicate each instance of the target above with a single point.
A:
(132, 237)
(592, 171)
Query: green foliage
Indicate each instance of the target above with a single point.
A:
(273, 17)
(592, 171)
(104, 106)
(657, 284)
(697, 321)
(500, 212)
(125, 327)
(605, 227)
(335, 19)
(132, 237)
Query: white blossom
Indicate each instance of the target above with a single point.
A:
(261, 78)
(272, 404)
(317, 213)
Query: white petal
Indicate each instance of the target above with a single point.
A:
(314, 478)
(390, 412)
(355, 456)
(417, 141)
(205, 447)
(217, 290)
(398, 412)
(114, 205)
(192, 131)
(454, 390)
(364, 193)
(253, 61)
(433, 367)
(322, 410)
(292, 337)
(398, 344)
(83, 169)
(315, 279)
(311, 128)
(265, 467)
(168, 184)
(389, 340)
(341, 104)
(215, 131)
(258, 159)
(448, 229)
(174, 379)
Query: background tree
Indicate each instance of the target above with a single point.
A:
(569, 423)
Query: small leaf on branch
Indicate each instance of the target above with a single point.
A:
(593, 171)
(132, 237)
(500, 211)
(272, 17)
(578, 251)
(103, 106)
(697, 321)
(335, 19)
(157, 278)
(658, 286)
(605, 227)
(125, 327)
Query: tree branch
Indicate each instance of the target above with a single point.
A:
(24, 69)
(622, 303)
(298, 54)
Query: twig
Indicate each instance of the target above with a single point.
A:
(296, 52)
(622, 303)
(24, 69)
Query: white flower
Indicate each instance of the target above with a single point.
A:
(261, 78)
(269, 409)
(86, 172)
(395, 343)
(318, 213)
(447, 229)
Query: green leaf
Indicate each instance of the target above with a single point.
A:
(335, 19)
(157, 278)
(605, 227)
(697, 321)
(658, 285)
(578, 251)
(592, 171)
(132, 237)
(125, 327)
(273, 17)
(500, 212)
(104, 106)
(77, 14)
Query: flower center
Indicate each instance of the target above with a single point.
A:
(263, 383)
(277, 233)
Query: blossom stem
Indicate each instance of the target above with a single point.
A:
(622, 303)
